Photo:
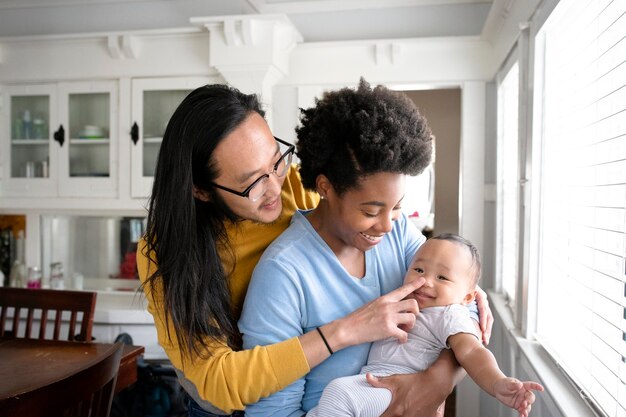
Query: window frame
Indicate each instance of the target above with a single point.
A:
(529, 48)
(511, 60)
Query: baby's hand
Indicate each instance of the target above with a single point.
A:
(516, 394)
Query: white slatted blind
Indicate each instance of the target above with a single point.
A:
(581, 317)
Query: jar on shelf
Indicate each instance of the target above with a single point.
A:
(39, 129)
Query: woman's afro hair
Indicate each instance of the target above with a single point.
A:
(353, 133)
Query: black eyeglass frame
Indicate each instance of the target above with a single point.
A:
(246, 193)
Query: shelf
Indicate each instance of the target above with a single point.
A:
(29, 142)
(153, 140)
(78, 141)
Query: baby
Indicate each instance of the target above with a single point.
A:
(450, 266)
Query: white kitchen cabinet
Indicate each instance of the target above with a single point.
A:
(153, 103)
(28, 156)
(60, 140)
(88, 113)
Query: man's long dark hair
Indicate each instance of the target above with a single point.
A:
(185, 236)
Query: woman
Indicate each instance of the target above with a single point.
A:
(355, 147)
(223, 189)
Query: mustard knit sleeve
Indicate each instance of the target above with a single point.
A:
(227, 379)
(304, 199)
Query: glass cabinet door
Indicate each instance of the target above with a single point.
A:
(158, 107)
(26, 151)
(88, 148)
(30, 138)
(153, 103)
(89, 139)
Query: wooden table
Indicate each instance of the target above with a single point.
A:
(28, 364)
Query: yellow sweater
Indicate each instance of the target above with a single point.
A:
(228, 379)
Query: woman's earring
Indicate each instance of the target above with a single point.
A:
(322, 197)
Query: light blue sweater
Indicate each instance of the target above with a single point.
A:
(299, 284)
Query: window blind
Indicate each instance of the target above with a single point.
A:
(581, 314)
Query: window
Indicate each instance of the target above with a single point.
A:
(507, 187)
(580, 129)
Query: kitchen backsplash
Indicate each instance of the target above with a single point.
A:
(94, 247)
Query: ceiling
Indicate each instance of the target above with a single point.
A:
(316, 20)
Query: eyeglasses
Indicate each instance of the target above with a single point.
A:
(258, 188)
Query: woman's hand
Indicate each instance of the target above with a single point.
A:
(413, 395)
(421, 394)
(484, 314)
(387, 316)
(376, 320)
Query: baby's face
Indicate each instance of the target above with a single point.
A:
(448, 269)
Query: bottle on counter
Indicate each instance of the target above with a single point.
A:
(17, 277)
(78, 281)
(57, 278)
(34, 277)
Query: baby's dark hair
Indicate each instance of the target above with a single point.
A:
(476, 263)
(353, 133)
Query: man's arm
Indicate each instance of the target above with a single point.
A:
(422, 393)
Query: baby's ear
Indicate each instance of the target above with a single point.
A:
(469, 297)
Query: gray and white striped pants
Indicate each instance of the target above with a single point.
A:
(351, 396)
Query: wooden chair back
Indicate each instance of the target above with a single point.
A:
(32, 304)
(87, 393)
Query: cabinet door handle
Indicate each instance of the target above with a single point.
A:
(59, 135)
(134, 133)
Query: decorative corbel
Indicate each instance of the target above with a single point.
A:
(251, 52)
(130, 46)
(114, 47)
(123, 46)
(387, 53)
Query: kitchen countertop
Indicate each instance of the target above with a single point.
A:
(118, 301)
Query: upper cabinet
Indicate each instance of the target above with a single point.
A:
(60, 140)
(63, 139)
(153, 103)
(87, 137)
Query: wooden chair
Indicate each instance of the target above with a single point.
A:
(87, 393)
(26, 302)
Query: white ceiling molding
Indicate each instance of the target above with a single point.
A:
(313, 6)
(502, 26)
(315, 20)
(248, 30)
(22, 4)
(498, 15)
